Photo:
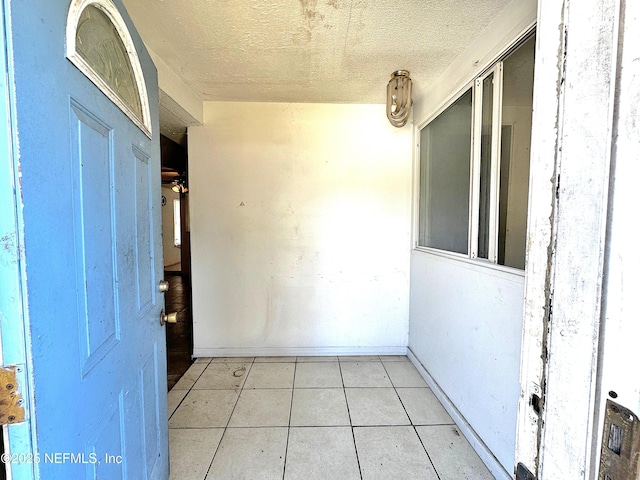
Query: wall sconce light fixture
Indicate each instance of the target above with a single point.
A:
(179, 184)
(399, 98)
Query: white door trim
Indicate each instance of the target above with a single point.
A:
(571, 144)
(14, 333)
(540, 228)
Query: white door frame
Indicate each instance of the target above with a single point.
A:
(573, 119)
(619, 356)
(14, 334)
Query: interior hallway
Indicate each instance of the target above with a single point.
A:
(313, 418)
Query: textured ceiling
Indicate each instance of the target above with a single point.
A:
(326, 51)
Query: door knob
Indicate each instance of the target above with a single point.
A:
(163, 286)
(168, 317)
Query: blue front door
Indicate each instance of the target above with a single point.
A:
(90, 193)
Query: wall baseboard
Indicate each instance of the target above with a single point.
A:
(296, 351)
(492, 463)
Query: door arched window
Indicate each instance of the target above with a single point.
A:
(99, 44)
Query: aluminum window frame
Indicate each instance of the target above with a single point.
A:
(417, 169)
(495, 68)
(494, 177)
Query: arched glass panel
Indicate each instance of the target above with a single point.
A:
(98, 42)
(100, 45)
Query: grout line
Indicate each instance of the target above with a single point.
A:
(248, 427)
(188, 390)
(395, 389)
(286, 449)
(353, 436)
(384, 425)
(239, 395)
(425, 451)
(245, 427)
(177, 406)
(241, 388)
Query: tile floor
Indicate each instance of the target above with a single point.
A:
(337, 418)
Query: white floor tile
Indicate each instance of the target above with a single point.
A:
(222, 376)
(250, 453)
(394, 358)
(404, 374)
(270, 375)
(174, 397)
(452, 454)
(423, 407)
(233, 359)
(317, 359)
(318, 375)
(190, 376)
(204, 408)
(384, 404)
(392, 453)
(321, 454)
(262, 408)
(206, 360)
(275, 359)
(364, 374)
(375, 406)
(319, 407)
(191, 451)
(359, 358)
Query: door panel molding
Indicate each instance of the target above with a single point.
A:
(96, 255)
(146, 278)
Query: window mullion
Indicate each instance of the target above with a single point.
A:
(496, 137)
(476, 145)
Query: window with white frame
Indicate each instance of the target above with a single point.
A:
(474, 166)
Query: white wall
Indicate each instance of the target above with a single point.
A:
(465, 318)
(466, 324)
(300, 229)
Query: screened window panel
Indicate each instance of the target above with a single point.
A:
(445, 153)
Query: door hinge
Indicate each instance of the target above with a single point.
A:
(523, 473)
(620, 449)
(11, 402)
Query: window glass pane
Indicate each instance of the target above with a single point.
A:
(98, 42)
(484, 199)
(177, 234)
(445, 150)
(517, 105)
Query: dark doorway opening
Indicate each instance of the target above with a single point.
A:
(177, 258)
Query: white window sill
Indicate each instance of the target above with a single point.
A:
(474, 264)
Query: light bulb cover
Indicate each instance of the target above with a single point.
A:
(399, 99)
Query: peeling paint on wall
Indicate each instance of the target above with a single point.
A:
(10, 247)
